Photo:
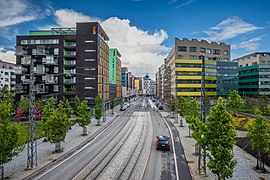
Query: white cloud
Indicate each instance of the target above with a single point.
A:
(250, 44)
(68, 18)
(229, 28)
(8, 56)
(188, 2)
(19, 11)
(140, 50)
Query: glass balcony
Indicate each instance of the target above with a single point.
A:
(50, 79)
(26, 60)
(70, 71)
(69, 53)
(26, 81)
(41, 90)
(20, 51)
(19, 70)
(71, 89)
(50, 60)
(71, 81)
(70, 44)
(72, 62)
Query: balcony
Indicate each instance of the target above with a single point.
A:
(40, 51)
(20, 51)
(69, 53)
(50, 60)
(39, 70)
(70, 71)
(19, 70)
(26, 81)
(20, 90)
(71, 62)
(71, 89)
(40, 90)
(50, 79)
(70, 81)
(26, 60)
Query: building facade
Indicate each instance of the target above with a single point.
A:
(185, 65)
(115, 75)
(124, 77)
(254, 74)
(7, 76)
(67, 62)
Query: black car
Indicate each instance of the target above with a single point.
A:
(163, 143)
(160, 108)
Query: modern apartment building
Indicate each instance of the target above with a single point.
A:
(7, 77)
(254, 74)
(67, 62)
(163, 82)
(227, 80)
(115, 75)
(185, 64)
(124, 77)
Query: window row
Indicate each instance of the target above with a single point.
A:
(40, 41)
(202, 50)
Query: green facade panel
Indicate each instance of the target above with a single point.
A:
(112, 65)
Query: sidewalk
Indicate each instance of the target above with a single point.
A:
(16, 168)
(245, 161)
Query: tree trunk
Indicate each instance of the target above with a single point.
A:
(112, 112)
(85, 131)
(98, 122)
(260, 160)
(2, 171)
(58, 147)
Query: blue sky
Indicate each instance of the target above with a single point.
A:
(144, 30)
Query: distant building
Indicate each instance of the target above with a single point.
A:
(115, 75)
(254, 74)
(124, 77)
(7, 76)
(67, 62)
(184, 63)
(146, 85)
(153, 88)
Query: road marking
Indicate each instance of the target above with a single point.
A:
(174, 155)
(78, 150)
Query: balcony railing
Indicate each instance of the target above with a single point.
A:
(26, 60)
(70, 44)
(20, 51)
(73, 62)
(49, 60)
(70, 80)
(26, 81)
(50, 79)
(69, 53)
(69, 90)
(71, 71)
(42, 90)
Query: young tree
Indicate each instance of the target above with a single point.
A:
(40, 104)
(77, 102)
(98, 109)
(9, 137)
(263, 102)
(6, 95)
(68, 109)
(46, 114)
(234, 101)
(57, 126)
(24, 105)
(172, 104)
(193, 113)
(181, 108)
(218, 136)
(84, 116)
(19, 115)
(258, 133)
(112, 106)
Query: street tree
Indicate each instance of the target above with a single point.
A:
(40, 104)
(6, 95)
(181, 108)
(98, 109)
(193, 113)
(263, 104)
(258, 133)
(218, 137)
(68, 109)
(77, 103)
(23, 104)
(234, 101)
(46, 114)
(172, 104)
(57, 126)
(84, 116)
(112, 105)
(9, 137)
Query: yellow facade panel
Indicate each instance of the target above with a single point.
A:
(188, 69)
(210, 85)
(186, 61)
(189, 85)
(210, 93)
(189, 77)
(210, 62)
(210, 70)
(188, 93)
(210, 78)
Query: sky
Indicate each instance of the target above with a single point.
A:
(144, 30)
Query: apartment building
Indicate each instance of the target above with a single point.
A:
(163, 82)
(185, 64)
(254, 74)
(67, 62)
(115, 75)
(138, 85)
(124, 77)
(7, 76)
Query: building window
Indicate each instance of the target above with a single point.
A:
(254, 63)
(202, 50)
(182, 48)
(180, 57)
(226, 52)
(209, 51)
(216, 51)
(90, 50)
(56, 51)
(193, 49)
(6, 73)
(90, 60)
(192, 57)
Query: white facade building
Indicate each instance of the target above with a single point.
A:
(7, 77)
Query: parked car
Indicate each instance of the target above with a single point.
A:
(126, 104)
(123, 108)
(160, 108)
(163, 143)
